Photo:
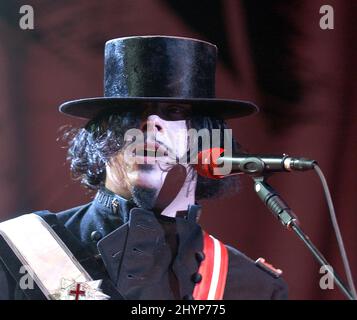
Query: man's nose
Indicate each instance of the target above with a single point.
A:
(152, 122)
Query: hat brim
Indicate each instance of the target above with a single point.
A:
(91, 107)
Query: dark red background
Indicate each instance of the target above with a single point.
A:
(273, 53)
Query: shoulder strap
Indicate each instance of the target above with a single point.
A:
(213, 269)
(40, 249)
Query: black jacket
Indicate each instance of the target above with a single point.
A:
(141, 255)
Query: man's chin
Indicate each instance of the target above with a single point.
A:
(144, 197)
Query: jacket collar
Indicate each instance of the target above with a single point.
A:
(119, 206)
(116, 204)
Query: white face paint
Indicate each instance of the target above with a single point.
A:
(163, 141)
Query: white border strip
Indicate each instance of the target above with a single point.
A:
(216, 269)
(38, 247)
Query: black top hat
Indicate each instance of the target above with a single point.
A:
(159, 69)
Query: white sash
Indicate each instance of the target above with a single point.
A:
(45, 255)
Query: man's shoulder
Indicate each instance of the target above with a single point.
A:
(257, 268)
(248, 279)
(65, 215)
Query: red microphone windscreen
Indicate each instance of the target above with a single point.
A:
(207, 161)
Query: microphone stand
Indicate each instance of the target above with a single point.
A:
(287, 217)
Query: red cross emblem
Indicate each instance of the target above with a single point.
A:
(78, 292)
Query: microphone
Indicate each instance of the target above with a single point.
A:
(213, 164)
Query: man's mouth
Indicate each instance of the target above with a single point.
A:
(150, 150)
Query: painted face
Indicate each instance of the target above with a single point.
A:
(145, 160)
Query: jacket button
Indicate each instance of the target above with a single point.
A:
(188, 297)
(196, 277)
(200, 256)
(96, 236)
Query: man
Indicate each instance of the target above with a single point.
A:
(140, 236)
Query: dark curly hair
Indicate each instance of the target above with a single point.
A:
(90, 147)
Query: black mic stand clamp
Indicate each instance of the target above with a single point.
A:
(286, 216)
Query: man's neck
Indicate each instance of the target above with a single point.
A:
(181, 203)
(177, 192)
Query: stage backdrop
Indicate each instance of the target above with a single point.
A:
(271, 52)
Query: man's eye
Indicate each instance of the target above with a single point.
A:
(178, 112)
(175, 110)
